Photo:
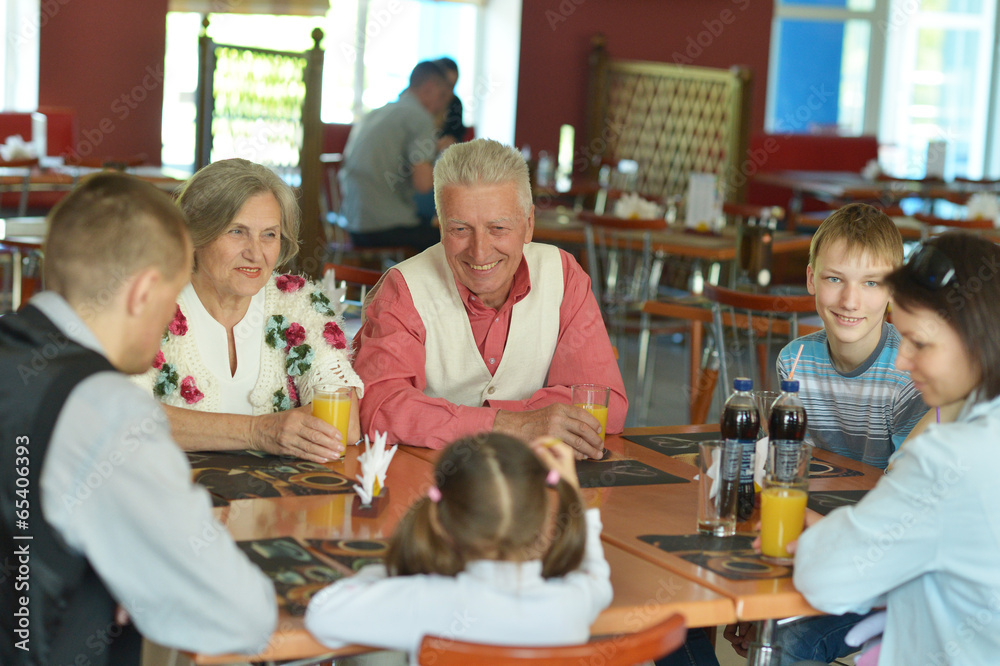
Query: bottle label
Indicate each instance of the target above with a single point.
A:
(786, 460)
(745, 501)
(731, 461)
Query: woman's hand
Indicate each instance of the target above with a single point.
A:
(296, 432)
(558, 456)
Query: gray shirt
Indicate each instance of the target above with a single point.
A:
(376, 178)
(117, 489)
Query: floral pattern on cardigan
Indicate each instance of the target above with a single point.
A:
(304, 347)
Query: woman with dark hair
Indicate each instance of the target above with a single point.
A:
(926, 540)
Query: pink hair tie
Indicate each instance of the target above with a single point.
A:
(434, 494)
(552, 479)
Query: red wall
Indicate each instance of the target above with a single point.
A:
(555, 42)
(106, 61)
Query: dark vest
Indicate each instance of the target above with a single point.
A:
(70, 613)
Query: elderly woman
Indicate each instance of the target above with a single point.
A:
(248, 346)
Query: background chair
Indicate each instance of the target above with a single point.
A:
(357, 282)
(651, 643)
(759, 315)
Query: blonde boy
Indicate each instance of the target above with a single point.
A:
(857, 403)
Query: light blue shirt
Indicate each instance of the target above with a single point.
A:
(925, 541)
(118, 490)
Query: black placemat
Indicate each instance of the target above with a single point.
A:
(250, 475)
(730, 557)
(297, 573)
(352, 553)
(820, 469)
(611, 473)
(682, 444)
(826, 501)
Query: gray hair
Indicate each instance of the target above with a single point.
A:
(482, 162)
(214, 196)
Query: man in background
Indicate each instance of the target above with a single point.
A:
(387, 178)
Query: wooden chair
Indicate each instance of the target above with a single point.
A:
(760, 315)
(968, 225)
(651, 643)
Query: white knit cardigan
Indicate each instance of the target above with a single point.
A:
(304, 347)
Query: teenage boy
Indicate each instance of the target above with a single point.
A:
(97, 507)
(857, 403)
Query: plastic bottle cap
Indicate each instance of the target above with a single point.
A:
(743, 384)
(790, 385)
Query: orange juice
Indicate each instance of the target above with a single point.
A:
(782, 514)
(600, 413)
(334, 407)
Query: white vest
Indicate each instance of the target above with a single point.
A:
(454, 368)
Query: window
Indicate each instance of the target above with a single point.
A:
(370, 48)
(20, 23)
(910, 71)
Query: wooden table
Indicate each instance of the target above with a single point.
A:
(562, 225)
(630, 511)
(645, 592)
(634, 510)
(64, 178)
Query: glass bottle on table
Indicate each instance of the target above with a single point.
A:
(740, 426)
(783, 500)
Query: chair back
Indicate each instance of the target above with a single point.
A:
(624, 270)
(652, 643)
(358, 282)
(759, 316)
(969, 225)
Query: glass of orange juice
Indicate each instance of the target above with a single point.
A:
(783, 500)
(333, 405)
(594, 399)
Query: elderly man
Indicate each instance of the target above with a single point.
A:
(106, 513)
(388, 166)
(485, 330)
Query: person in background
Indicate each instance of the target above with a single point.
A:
(485, 330)
(925, 540)
(504, 529)
(452, 128)
(117, 529)
(858, 403)
(387, 175)
(246, 348)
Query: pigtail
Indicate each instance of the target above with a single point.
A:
(416, 547)
(569, 534)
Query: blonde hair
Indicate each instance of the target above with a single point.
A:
(214, 196)
(105, 231)
(866, 230)
(482, 162)
(493, 504)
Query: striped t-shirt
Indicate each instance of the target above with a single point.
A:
(864, 414)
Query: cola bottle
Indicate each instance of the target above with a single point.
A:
(740, 424)
(788, 429)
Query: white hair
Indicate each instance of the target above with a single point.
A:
(482, 162)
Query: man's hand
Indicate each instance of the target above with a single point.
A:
(296, 432)
(740, 635)
(572, 425)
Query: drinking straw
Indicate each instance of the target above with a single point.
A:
(938, 414)
(791, 374)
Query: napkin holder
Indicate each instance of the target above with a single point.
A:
(378, 504)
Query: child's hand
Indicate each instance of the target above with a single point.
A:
(558, 456)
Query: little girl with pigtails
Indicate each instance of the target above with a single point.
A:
(500, 551)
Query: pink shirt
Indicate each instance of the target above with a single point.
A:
(390, 360)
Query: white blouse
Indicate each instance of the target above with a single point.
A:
(213, 347)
